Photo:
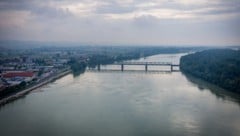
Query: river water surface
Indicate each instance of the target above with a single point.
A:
(129, 103)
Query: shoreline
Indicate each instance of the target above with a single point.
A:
(28, 90)
(51, 79)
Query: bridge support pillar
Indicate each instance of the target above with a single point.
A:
(171, 68)
(146, 67)
(98, 67)
(122, 67)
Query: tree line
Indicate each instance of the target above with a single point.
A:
(218, 66)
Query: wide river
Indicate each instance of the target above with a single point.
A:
(129, 103)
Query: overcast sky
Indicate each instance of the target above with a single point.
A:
(143, 22)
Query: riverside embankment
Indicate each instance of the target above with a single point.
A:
(29, 89)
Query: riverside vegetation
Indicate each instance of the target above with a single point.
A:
(218, 66)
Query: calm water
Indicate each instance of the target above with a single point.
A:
(124, 104)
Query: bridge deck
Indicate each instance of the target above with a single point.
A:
(144, 63)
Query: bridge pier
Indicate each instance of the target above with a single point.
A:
(146, 67)
(122, 67)
(146, 64)
(98, 67)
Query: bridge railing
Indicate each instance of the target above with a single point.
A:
(142, 63)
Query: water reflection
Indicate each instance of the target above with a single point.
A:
(130, 71)
(217, 91)
(123, 103)
(186, 121)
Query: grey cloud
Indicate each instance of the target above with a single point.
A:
(38, 8)
(42, 7)
(114, 8)
(50, 12)
(143, 29)
(219, 11)
(15, 5)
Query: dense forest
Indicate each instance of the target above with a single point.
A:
(219, 66)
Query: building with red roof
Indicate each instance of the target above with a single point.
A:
(18, 74)
(14, 78)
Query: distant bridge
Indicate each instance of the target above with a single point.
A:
(146, 64)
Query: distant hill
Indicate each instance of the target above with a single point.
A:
(219, 66)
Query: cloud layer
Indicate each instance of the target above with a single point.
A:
(154, 22)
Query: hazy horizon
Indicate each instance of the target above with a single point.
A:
(126, 22)
(11, 44)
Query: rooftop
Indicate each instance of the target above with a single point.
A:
(18, 74)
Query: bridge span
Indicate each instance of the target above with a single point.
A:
(146, 64)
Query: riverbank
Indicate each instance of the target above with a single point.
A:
(218, 66)
(123, 103)
(28, 90)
